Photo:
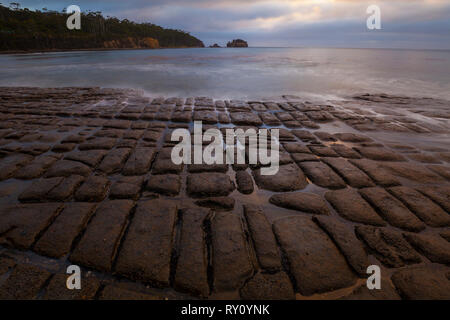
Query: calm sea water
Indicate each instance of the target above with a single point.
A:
(238, 73)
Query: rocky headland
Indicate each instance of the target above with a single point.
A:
(23, 30)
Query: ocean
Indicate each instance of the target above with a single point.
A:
(239, 73)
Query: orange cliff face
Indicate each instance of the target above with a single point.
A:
(150, 43)
(132, 43)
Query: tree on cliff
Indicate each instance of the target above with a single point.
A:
(23, 29)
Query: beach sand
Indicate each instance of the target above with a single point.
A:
(86, 178)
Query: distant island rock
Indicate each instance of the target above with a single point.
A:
(237, 43)
(215, 45)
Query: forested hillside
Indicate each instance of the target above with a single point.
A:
(23, 29)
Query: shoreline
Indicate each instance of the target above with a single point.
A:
(207, 47)
(90, 49)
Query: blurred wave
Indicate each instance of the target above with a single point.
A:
(238, 73)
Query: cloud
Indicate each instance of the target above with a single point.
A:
(293, 22)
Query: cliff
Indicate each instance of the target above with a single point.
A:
(132, 43)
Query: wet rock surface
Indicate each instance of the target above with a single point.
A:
(169, 184)
(59, 237)
(24, 283)
(93, 189)
(126, 188)
(209, 184)
(423, 283)
(86, 178)
(191, 274)
(147, 247)
(433, 247)
(217, 203)
(388, 292)
(351, 174)
(268, 287)
(389, 246)
(322, 175)
(346, 240)
(424, 208)
(98, 245)
(350, 205)
(267, 251)
(310, 252)
(231, 259)
(57, 289)
(301, 201)
(288, 178)
(392, 210)
(244, 182)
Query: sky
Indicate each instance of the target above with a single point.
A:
(412, 24)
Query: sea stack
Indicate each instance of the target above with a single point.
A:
(237, 43)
